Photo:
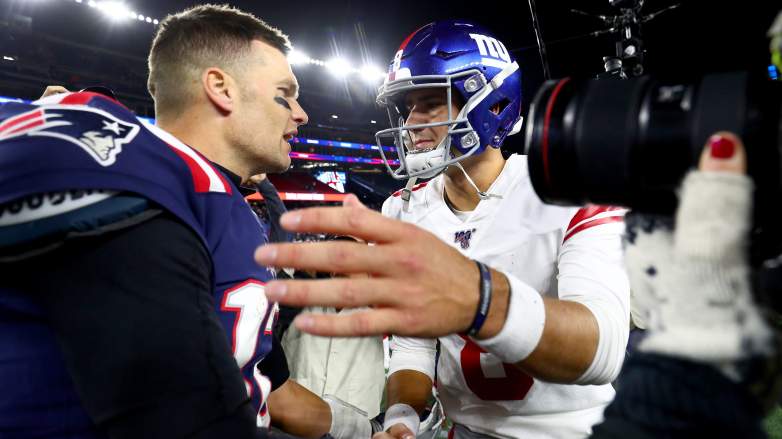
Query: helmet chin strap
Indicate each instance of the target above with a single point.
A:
(406, 193)
(481, 194)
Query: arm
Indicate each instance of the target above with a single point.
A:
(297, 411)
(173, 350)
(409, 387)
(420, 286)
(579, 337)
(411, 372)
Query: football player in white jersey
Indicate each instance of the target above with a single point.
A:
(454, 94)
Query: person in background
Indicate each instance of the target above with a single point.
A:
(348, 368)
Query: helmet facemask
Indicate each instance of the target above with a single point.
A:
(431, 161)
(461, 134)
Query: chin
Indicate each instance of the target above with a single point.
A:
(278, 167)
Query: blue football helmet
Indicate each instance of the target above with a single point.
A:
(461, 58)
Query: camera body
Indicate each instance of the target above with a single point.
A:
(630, 143)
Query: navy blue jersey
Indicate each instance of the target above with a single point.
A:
(84, 141)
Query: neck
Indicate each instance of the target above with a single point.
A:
(205, 136)
(483, 169)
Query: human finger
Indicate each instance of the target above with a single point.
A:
(724, 152)
(53, 90)
(331, 257)
(356, 221)
(357, 324)
(337, 292)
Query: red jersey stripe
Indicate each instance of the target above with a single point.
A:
(590, 224)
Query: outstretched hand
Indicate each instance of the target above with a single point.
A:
(416, 285)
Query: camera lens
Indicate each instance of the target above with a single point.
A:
(630, 142)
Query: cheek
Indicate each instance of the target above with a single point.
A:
(440, 131)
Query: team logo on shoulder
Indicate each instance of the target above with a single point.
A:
(97, 132)
(463, 238)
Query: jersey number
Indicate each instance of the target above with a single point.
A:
(513, 386)
(248, 301)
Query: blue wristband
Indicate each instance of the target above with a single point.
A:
(483, 302)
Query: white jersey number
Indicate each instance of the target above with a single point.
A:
(248, 301)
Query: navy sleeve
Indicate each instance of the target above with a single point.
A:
(275, 365)
(276, 208)
(133, 314)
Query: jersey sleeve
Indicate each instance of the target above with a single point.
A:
(418, 354)
(146, 353)
(275, 365)
(591, 272)
(389, 209)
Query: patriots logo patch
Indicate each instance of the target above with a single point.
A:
(97, 132)
(463, 238)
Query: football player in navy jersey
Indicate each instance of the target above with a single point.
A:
(130, 305)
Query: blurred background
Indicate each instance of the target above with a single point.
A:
(342, 50)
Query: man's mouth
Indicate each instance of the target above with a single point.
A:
(423, 145)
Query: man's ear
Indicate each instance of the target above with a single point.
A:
(219, 87)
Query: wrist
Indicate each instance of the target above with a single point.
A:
(404, 414)
(498, 310)
(522, 326)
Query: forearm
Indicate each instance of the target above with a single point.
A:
(568, 342)
(409, 387)
(297, 411)
(567, 346)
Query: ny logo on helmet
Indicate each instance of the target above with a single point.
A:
(97, 132)
(488, 46)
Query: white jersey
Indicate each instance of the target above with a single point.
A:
(567, 253)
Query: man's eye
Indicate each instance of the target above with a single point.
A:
(283, 102)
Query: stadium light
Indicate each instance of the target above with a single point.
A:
(296, 57)
(113, 9)
(334, 116)
(338, 67)
(371, 74)
(92, 4)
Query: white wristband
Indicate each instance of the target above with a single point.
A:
(523, 326)
(347, 421)
(402, 414)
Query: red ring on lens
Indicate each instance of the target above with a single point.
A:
(546, 121)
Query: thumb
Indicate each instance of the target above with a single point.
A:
(724, 152)
(352, 201)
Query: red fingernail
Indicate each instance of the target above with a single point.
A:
(722, 147)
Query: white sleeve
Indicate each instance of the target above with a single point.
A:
(418, 354)
(388, 208)
(591, 272)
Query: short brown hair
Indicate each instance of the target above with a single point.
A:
(199, 37)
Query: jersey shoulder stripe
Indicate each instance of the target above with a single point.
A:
(592, 216)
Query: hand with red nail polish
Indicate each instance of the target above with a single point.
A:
(701, 262)
(721, 146)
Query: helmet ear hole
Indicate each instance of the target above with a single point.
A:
(500, 106)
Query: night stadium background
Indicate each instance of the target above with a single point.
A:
(342, 49)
